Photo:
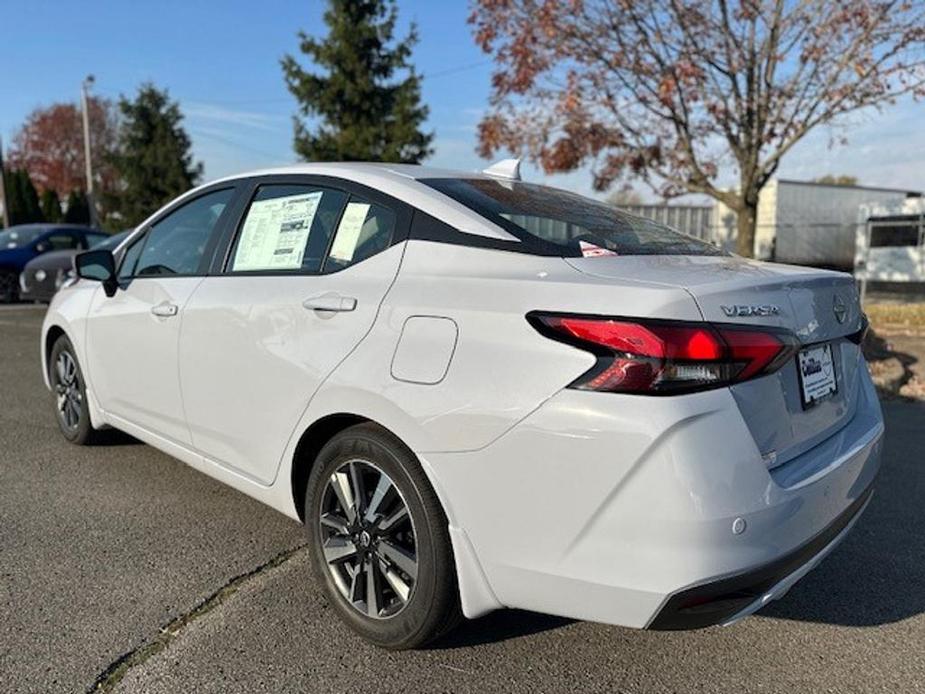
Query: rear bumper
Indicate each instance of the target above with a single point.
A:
(629, 510)
(729, 599)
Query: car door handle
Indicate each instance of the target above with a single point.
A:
(330, 302)
(164, 310)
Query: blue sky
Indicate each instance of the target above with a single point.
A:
(221, 61)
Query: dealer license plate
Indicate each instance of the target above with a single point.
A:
(817, 374)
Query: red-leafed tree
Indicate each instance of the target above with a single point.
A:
(674, 91)
(50, 146)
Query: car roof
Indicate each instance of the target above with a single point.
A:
(48, 226)
(356, 170)
(401, 181)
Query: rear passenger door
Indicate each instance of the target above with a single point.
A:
(300, 284)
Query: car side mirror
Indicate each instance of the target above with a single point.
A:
(99, 266)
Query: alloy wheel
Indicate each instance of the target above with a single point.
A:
(368, 539)
(67, 390)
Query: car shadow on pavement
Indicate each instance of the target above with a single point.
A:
(499, 626)
(877, 576)
(891, 369)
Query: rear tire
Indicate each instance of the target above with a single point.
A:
(69, 389)
(380, 541)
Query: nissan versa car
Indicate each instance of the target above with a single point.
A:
(477, 392)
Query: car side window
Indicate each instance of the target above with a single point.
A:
(176, 243)
(364, 230)
(130, 259)
(287, 229)
(61, 241)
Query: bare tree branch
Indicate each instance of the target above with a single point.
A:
(670, 91)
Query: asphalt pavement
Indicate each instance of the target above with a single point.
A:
(123, 570)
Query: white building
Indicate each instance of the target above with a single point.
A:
(805, 222)
(694, 220)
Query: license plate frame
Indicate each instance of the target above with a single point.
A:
(817, 374)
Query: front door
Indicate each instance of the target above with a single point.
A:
(302, 285)
(132, 337)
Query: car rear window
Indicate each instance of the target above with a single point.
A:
(567, 223)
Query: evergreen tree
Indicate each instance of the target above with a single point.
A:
(78, 208)
(50, 205)
(357, 111)
(153, 156)
(22, 198)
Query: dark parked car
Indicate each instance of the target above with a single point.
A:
(20, 244)
(43, 276)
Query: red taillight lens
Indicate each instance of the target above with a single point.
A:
(649, 356)
(756, 350)
(661, 341)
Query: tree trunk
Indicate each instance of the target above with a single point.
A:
(745, 228)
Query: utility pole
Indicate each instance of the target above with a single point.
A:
(84, 88)
(6, 209)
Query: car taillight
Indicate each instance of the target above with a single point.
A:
(661, 357)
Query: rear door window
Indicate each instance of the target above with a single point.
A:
(364, 230)
(287, 229)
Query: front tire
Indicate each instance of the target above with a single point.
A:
(70, 392)
(379, 540)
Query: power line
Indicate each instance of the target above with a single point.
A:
(289, 99)
(232, 143)
(460, 68)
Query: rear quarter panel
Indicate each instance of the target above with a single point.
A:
(501, 369)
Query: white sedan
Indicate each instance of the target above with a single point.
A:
(478, 393)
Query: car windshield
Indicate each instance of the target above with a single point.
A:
(109, 243)
(18, 237)
(567, 223)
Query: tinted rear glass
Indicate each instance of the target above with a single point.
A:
(572, 224)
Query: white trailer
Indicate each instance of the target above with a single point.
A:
(808, 223)
(891, 243)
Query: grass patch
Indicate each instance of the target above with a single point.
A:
(896, 316)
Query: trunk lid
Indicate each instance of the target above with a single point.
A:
(819, 306)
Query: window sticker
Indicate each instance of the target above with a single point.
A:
(275, 233)
(348, 232)
(590, 250)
